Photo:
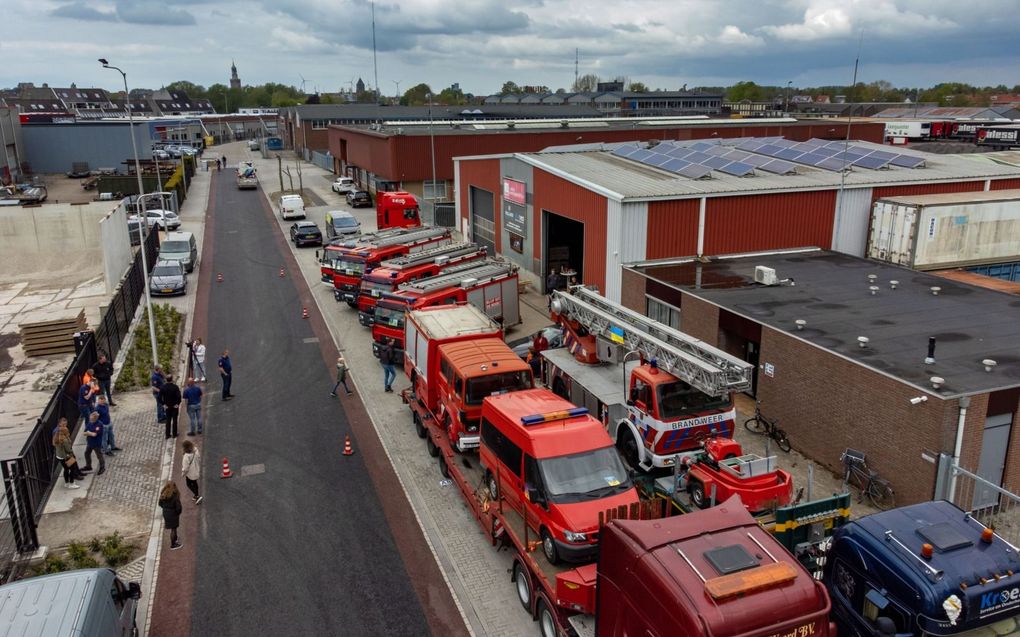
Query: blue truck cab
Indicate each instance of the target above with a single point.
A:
(924, 569)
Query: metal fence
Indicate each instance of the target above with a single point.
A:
(322, 160)
(29, 477)
(446, 215)
(987, 502)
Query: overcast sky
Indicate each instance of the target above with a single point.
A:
(483, 43)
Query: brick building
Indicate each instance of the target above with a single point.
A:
(831, 393)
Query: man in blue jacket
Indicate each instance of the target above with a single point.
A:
(108, 444)
(226, 374)
(85, 395)
(93, 444)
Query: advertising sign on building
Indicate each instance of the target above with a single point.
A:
(515, 192)
(515, 211)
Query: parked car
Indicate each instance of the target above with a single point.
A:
(305, 233)
(343, 185)
(180, 246)
(162, 219)
(292, 207)
(160, 154)
(359, 198)
(552, 333)
(253, 144)
(167, 278)
(340, 223)
(173, 150)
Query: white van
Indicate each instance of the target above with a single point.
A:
(292, 207)
(86, 602)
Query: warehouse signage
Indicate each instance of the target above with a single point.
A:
(515, 211)
(515, 191)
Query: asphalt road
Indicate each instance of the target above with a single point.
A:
(302, 540)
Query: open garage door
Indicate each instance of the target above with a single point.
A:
(562, 244)
(483, 215)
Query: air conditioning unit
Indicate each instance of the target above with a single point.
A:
(765, 276)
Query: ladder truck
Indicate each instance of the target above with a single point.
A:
(659, 392)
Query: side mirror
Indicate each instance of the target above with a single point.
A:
(134, 590)
(634, 395)
(535, 496)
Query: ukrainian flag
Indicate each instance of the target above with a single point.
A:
(616, 334)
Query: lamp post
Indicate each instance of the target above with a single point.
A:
(432, 145)
(142, 219)
(397, 82)
(786, 102)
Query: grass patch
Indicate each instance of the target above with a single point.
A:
(137, 367)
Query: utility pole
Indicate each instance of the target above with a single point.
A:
(576, 76)
(375, 62)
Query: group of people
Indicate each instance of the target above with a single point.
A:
(94, 402)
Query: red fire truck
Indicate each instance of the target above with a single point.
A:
(489, 285)
(396, 209)
(331, 252)
(410, 267)
(355, 258)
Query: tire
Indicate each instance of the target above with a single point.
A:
(419, 427)
(546, 620)
(881, 494)
(549, 547)
(490, 481)
(522, 583)
(431, 446)
(443, 469)
(754, 425)
(698, 495)
(782, 440)
(628, 448)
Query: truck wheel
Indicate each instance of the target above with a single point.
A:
(419, 427)
(628, 448)
(493, 487)
(431, 446)
(523, 582)
(443, 469)
(549, 547)
(698, 496)
(546, 621)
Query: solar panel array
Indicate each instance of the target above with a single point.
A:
(776, 155)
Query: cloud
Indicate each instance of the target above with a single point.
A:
(79, 11)
(283, 39)
(156, 13)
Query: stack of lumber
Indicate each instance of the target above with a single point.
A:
(51, 332)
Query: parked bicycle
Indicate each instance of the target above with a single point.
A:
(857, 471)
(759, 424)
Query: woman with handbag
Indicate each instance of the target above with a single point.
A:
(170, 502)
(64, 452)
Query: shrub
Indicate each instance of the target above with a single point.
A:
(137, 364)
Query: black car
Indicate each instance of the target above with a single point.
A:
(359, 198)
(305, 233)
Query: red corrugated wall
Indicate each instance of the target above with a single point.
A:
(927, 189)
(484, 174)
(769, 222)
(1005, 184)
(672, 228)
(580, 204)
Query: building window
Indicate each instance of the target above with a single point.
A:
(434, 189)
(320, 124)
(663, 312)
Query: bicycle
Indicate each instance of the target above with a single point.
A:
(878, 489)
(759, 424)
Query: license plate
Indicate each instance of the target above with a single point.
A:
(167, 290)
(375, 293)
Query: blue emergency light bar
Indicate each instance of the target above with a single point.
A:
(534, 419)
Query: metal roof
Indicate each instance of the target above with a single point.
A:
(832, 294)
(950, 198)
(621, 178)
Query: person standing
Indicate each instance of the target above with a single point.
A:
(170, 502)
(170, 396)
(108, 445)
(156, 382)
(64, 452)
(341, 375)
(226, 374)
(198, 352)
(93, 443)
(104, 374)
(386, 356)
(193, 401)
(191, 469)
(85, 395)
(541, 343)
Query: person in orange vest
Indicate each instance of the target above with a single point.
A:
(87, 378)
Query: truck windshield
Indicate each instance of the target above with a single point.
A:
(352, 266)
(481, 386)
(584, 476)
(678, 399)
(389, 317)
(383, 285)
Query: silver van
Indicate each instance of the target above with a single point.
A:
(180, 246)
(340, 223)
(86, 602)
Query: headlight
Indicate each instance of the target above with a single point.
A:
(575, 537)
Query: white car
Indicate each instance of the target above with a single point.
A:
(292, 207)
(342, 185)
(162, 219)
(160, 154)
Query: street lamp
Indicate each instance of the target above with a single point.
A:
(142, 219)
(432, 144)
(786, 107)
(397, 82)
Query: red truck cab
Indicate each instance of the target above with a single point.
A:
(339, 246)
(713, 572)
(396, 210)
(554, 464)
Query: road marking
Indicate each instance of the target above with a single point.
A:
(314, 339)
(231, 231)
(252, 469)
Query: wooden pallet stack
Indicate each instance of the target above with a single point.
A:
(51, 332)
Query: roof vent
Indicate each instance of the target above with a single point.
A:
(935, 290)
(765, 276)
(989, 364)
(862, 341)
(800, 323)
(893, 283)
(874, 289)
(871, 278)
(511, 124)
(937, 381)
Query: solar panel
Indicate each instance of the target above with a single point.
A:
(778, 167)
(811, 158)
(814, 142)
(873, 163)
(718, 151)
(849, 157)
(658, 159)
(715, 162)
(881, 154)
(752, 144)
(832, 163)
(736, 155)
(702, 146)
(679, 153)
(624, 151)
(787, 153)
(907, 161)
(769, 149)
(785, 143)
(675, 164)
(804, 147)
(698, 157)
(757, 160)
(641, 155)
(824, 150)
(737, 168)
(694, 171)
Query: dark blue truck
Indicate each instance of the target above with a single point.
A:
(924, 569)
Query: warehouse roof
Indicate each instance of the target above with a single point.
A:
(831, 292)
(622, 178)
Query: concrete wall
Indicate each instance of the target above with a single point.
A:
(116, 246)
(53, 148)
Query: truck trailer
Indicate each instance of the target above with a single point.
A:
(246, 176)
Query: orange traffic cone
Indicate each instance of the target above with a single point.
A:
(281, 273)
(304, 312)
(226, 469)
(219, 277)
(348, 451)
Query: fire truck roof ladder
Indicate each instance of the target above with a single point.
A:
(432, 254)
(704, 367)
(407, 237)
(454, 276)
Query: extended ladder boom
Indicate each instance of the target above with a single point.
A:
(457, 275)
(704, 367)
(432, 255)
(397, 238)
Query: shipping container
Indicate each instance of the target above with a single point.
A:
(929, 232)
(999, 136)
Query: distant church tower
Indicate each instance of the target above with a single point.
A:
(235, 82)
(360, 86)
